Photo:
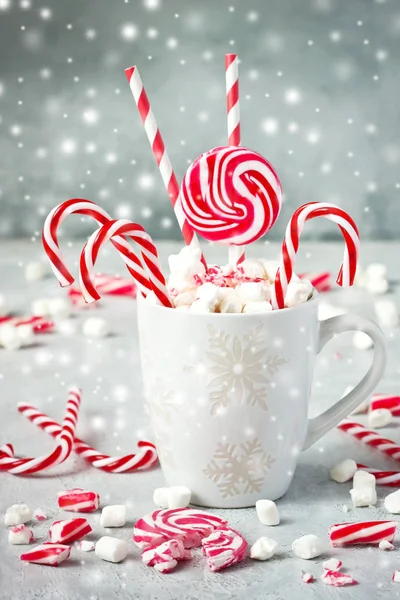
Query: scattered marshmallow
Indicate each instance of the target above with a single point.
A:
(298, 292)
(34, 271)
(333, 564)
(113, 516)
(362, 341)
(9, 337)
(379, 417)
(386, 312)
(178, 496)
(363, 480)
(200, 307)
(363, 497)
(60, 308)
(26, 334)
(377, 286)
(307, 577)
(308, 546)
(41, 307)
(376, 271)
(231, 304)
(20, 534)
(344, 471)
(257, 307)
(252, 268)
(86, 546)
(160, 497)
(95, 327)
(17, 514)
(385, 545)
(3, 306)
(267, 512)
(263, 549)
(111, 549)
(392, 502)
(254, 291)
(396, 577)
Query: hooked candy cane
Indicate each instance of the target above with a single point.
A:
(371, 438)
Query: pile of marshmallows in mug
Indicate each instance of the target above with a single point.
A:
(227, 289)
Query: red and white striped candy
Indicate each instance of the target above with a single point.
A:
(149, 261)
(320, 281)
(65, 532)
(144, 459)
(363, 532)
(106, 285)
(187, 524)
(371, 438)
(165, 557)
(387, 478)
(65, 440)
(337, 579)
(388, 401)
(78, 500)
(39, 324)
(224, 548)
(290, 246)
(307, 577)
(231, 195)
(47, 554)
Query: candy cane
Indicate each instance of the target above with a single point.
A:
(160, 153)
(47, 554)
(392, 403)
(112, 285)
(39, 324)
(27, 466)
(365, 532)
(112, 464)
(147, 249)
(371, 438)
(83, 207)
(290, 246)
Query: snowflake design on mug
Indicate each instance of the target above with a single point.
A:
(239, 468)
(238, 368)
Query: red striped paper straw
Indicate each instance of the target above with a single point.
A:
(160, 153)
(236, 253)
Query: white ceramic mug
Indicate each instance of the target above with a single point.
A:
(228, 395)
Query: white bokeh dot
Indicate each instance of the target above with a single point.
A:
(45, 13)
(146, 181)
(68, 146)
(270, 126)
(292, 96)
(129, 32)
(171, 43)
(90, 116)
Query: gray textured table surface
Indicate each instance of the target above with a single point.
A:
(113, 419)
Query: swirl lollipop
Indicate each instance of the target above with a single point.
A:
(231, 195)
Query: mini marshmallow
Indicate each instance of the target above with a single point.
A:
(95, 327)
(267, 512)
(9, 337)
(362, 341)
(379, 417)
(254, 291)
(86, 546)
(208, 294)
(232, 303)
(111, 549)
(26, 334)
(40, 307)
(327, 311)
(263, 549)
(396, 577)
(184, 299)
(363, 479)
(59, 308)
(34, 271)
(385, 545)
(17, 514)
(270, 268)
(344, 471)
(376, 271)
(257, 307)
(307, 546)
(345, 508)
(386, 312)
(160, 497)
(3, 306)
(20, 534)
(333, 564)
(184, 266)
(298, 292)
(200, 307)
(178, 496)
(253, 269)
(392, 502)
(113, 516)
(377, 286)
(363, 497)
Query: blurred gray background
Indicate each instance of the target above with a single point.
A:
(319, 98)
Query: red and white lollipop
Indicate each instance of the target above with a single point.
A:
(231, 195)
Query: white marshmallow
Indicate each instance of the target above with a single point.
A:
(327, 311)
(20, 534)
(298, 292)
(34, 271)
(160, 497)
(111, 549)
(362, 341)
(386, 312)
(60, 308)
(385, 545)
(231, 304)
(9, 337)
(345, 508)
(113, 516)
(26, 334)
(86, 546)
(200, 307)
(263, 549)
(183, 267)
(363, 497)
(66, 327)
(392, 502)
(379, 418)
(333, 564)
(257, 307)
(308, 546)
(254, 291)
(344, 471)
(184, 299)
(396, 577)
(41, 307)
(267, 512)
(363, 480)
(377, 286)
(376, 271)
(95, 327)
(253, 269)
(178, 496)
(3, 306)
(17, 514)
(270, 268)
(208, 294)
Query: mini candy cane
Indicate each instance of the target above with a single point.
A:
(27, 466)
(47, 554)
(148, 251)
(387, 478)
(364, 532)
(39, 324)
(224, 548)
(165, 557)
(392, 403)
(186, 524)
(320, 281)
(78, 500)
(112, 464)
(65, 532)
(290, 246)
(106, 285)
(371, 438)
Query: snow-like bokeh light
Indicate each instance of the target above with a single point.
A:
(5, 5)
(90, 34)
(145, 181)
(270, 126)
(313, 136)
(45, 13)
(68, 146)
(292, 96)
(129, 32)
(90, 116)
(171, 43)
(152, 4)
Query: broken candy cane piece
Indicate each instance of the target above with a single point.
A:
(39, 515)
(224, 548)
(165, 557)
(86, 546)
(64, 532)
(337, 579)
(47, 554)
(20, 534)
(363, 532)
(78, 500)
(385, 545)
(396, 577)
(333, 564)
(387, 401)
(307, 577)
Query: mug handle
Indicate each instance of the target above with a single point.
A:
(318, 426)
